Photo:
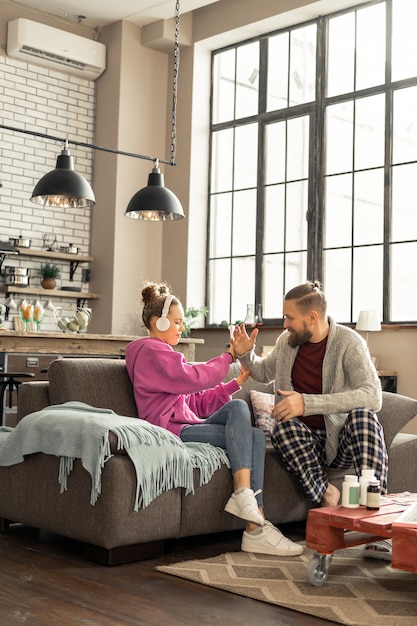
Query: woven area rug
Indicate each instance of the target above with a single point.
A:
(357, 592)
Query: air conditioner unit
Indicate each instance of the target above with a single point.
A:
(55, 48)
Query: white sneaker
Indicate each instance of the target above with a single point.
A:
(270, 541)
(245, 506)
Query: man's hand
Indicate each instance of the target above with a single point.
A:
(291, 405)
(241, 342)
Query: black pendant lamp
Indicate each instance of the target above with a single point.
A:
(63, 187)
(155, 202)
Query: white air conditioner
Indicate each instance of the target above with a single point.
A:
(55, 48)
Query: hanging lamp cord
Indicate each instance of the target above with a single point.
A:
(175, 82)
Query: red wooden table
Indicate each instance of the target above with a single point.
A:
(325, 533)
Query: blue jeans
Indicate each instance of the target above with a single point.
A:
(230, 428)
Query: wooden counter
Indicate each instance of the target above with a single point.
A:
(84, 344)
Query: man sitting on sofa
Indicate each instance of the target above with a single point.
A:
(327, 394)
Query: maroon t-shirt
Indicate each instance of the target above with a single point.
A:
(307, 375)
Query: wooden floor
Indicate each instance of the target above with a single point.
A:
(46, 581)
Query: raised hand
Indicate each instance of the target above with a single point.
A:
(241, 341)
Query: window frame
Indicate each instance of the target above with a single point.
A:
(316, 110)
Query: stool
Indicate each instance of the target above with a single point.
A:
(10, 381)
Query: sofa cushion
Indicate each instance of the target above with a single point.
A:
(262, 405)
(103, 383)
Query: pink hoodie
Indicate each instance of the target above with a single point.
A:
(170, 392)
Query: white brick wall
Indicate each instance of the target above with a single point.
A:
(38, 99)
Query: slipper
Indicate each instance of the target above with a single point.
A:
(378, 550)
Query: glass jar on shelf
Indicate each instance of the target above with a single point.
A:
(72, 320)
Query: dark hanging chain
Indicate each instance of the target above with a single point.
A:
(175, 82)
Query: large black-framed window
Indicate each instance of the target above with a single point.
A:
(313, 166)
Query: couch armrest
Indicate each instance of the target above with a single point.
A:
(33, 397)
(395, 413)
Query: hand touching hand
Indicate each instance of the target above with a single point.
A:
(291, 405)
(243, 376)
(241, 342)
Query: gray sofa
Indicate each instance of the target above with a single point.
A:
(111, 530)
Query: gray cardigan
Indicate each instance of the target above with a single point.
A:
(350, 379)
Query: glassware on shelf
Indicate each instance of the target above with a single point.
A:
(258, 315)
(38, 315)
(253, 315)
(250, 315)
(26, 313)
(72, 320)
(49, 242)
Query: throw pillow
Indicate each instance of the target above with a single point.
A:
(262, 405)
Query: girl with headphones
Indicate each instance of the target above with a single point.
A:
(191, 401)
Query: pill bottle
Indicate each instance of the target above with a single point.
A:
(373, 501)
(350, 492)
(365, 477)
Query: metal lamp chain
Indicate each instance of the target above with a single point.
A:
(175, 82)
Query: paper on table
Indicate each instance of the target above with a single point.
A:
(409, 516)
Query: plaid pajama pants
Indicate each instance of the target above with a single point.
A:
(302, 450)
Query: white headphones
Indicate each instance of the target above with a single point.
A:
(162, 323)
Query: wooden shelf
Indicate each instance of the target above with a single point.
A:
(62, 256)
(38, 291)
(74, 260)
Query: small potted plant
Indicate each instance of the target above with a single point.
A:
(49, 272)
(191, 316)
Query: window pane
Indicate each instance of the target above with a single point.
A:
(221, 225)
(367, 280)
(295, 269)
(339, 138)
(273, 290)
(302, 65)
(247, 80)
(404, 42)
(275, 152)
(296, 210)
(369, 132)
(369, 207)
(243, 286)
(403, 283)
(337, 264)
(404, 201)
(244, 214)
(274, 219)
(246, 156)
(298, 148)
(370, 50)
(341, 61)
(219, 288)
(338, 211)
(222, 161)
(405, 125)
(224, 86)
(277, 90)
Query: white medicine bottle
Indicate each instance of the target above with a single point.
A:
(365, 477)
(350, 492)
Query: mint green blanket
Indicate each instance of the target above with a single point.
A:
(75, 430)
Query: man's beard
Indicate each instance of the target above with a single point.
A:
(298, 339)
